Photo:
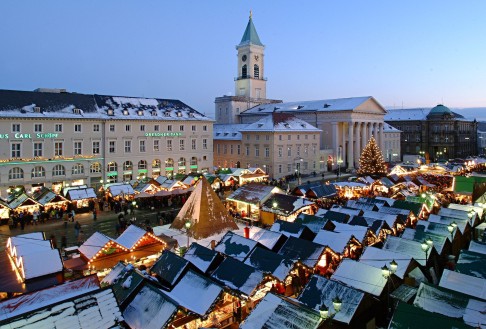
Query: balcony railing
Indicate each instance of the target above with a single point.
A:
(249, 77)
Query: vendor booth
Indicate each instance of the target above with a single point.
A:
(80, 196)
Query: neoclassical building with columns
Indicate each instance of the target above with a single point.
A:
(346, 124)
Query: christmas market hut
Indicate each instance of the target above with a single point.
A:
(269, 239)
(315, 190)
(271, 263)
(479, 247)
(450, 303)
(283, 313)
(292, 229)
(462, 225)
(119, 190)
(48, 198)
(234, 245)
(169, 269)
(463, 283)
(353, 307)
(378, 227)
(80, 196)
(99, 252)
(136, 238)
(400, 264)
(442, 243)
(284, 207)
(471, 263)
(203, 213)
(470, 215)
(343, 244)
(23, 202)
(313, 222)
(204, 259)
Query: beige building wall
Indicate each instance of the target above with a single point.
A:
(391, 151)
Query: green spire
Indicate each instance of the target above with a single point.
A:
(250, 37)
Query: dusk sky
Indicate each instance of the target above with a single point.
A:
(404, 53)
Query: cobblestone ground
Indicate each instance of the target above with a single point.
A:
(105, 223)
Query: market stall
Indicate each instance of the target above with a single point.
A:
(80, 196)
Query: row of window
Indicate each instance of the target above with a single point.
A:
(267, 150)
(280, 137)
(38, 147)
(78, 169)
(58, 127)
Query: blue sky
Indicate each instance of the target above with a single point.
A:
(404, 53)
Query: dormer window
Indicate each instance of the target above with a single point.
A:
(37, 109)
(154, 113)
(191, 115)
(303, 125)
(125, 112)
(299, 107)
(111, 112)
(179, 114)
(260, 125)
(260, 109)
(167, 113)
(140, 112)
(286, 125)
(233, 134)
(76, 111)
(217, 134)
(326, 106)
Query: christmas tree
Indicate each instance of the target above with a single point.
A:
(371, 162)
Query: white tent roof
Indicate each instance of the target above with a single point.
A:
(130, 236)
(121, 188)
(82, 193)
(360, 276)
(379, 257)
(42, 263)
(463, 283)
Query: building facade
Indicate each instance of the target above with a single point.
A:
(438, 134)
(392, 150)
(346, 124)
(279, 143)
(55, 139)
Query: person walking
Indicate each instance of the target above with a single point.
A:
(95, 214)
(77, 229)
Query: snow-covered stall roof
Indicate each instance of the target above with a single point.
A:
(462, 224)
(479, 247)
(451, 303)
(191, 285)
(48, 196)
(359, 232)
(321, 291)
(150, 308)
(275, 312)
(253, 193)
(96, 243)
(21, 200)
(269, 262)
(115, 273)
(419, 235)
(42, 263)
(81, 194)
(346, 210)
(379, 257)
(463, 283)
(26, 303)
(313, 222)
(170, 267)
(360, 276)
(471, 263)
(291, 229)
(467, 207)
(435, 228)
(308, 252)
(133, 235)
(407, 247)
(118, 189)
(200, 256)
(235, 245)
(238, 276)
(337, 241)
(455, 213)
(285, 205)
(95, 309)
(267, 238)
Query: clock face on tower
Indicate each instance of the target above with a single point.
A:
(256, 58)
(243, 58)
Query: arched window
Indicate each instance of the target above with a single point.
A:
(244, 72)
(256, 72)
(78, 169)
(127, 165)
(112, 166)
(193, 161)
(59, 170)
(142, 164)
(169, 162)
(38, 171)
(95, 167)
(16, 173)
(156, 164)
(182, 162)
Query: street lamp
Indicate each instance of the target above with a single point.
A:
(426, 245)
(188, 226)
(451, 228)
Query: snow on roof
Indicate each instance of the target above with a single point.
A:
(115, 273)
(42, 263)
(450, 303)
(82, 193)
(288, 228)
(95, 243)
(200, 256)
(359, 232)
(191, 285)
(467, 207)
(456, 213)
(337, 241)
(228, 131)
(170, 267)
(235, 245)
(379, 257)
(253, 193)
(407, 247)
(238, 276)
(280, 122)
(321, 291)
(407, 114)
(308, 252)
(345, 210)
(390, 219)
(96, 309)
(435, 228)
(150, 308)
(463, 283)
(121, 188)
(130, 236)
(351, 184)
(360, 276)
(478, 247)
(325, 105)
(269, 262)
(390, 129)
(461, 223)
(265, 237)
(471, 263)
(26, 303)
(275, 312)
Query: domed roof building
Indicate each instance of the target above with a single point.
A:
(438, 134)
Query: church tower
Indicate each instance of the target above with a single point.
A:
(250, 80)
(250, 83)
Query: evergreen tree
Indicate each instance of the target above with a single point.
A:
(371, 162)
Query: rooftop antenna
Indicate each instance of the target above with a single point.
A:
(251, 14)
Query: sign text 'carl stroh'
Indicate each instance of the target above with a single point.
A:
(26, 135)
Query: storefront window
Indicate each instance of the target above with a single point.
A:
(59, 170)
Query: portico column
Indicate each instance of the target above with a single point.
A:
(350, 145)
(343, 143)
(382, 136)
(335, 140)
(370, 131)
(375, 133)
(357, 144)
(363, 136)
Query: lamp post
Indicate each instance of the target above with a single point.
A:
(187, 226)
(324, 310)
(426, 245)
(451, 228)
(298, 162)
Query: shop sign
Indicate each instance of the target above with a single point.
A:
(29, 135)
(169, 168)
(164, 134)
(193, 166)
(142, 171)
(112, 173)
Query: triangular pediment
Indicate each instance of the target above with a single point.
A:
(370, 105)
